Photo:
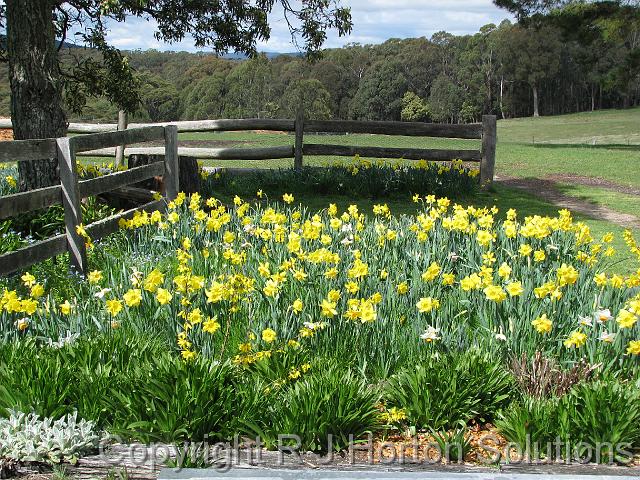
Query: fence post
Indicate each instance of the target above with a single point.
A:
(171, 164)
(299, 126)
(71, 202)
(122, 125)
(488, 162)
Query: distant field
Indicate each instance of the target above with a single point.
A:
(605, 127)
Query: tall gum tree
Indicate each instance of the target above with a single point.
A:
(40, 84)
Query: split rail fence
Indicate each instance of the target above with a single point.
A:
(111, 140)
(71, 190)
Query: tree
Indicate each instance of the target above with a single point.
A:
(159, 98)
(315, 100)
(250, 88)
(414, 109)
(445, 100)
(533, 55)
(38, 81)
(379, 95)
(205, 100)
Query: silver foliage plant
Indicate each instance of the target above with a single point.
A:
(28, 438)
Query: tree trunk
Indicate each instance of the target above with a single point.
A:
(36, 92)
(536, 111)
(189, 173)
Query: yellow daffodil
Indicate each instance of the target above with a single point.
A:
(542, 324)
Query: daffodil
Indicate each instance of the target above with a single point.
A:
(626, 319)
(634, 347)
(163, 296)
(269, 335)
(65, 308)
(94, 276)
(427, 304)
(328, 308)
(211, 325)
(542, 324)
(431, 334)
(576, 339)
(114, 307)
(133, 297)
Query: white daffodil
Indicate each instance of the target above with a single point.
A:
(607, 337)
(585, 321)
(603, 315)
(430, 334)
(102, 293)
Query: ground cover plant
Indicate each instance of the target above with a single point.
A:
(242, 308)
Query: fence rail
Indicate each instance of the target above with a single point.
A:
(485, 131)
(71, 190)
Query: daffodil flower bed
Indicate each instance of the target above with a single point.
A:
(356, 178)
(451, 276)
(278, 292)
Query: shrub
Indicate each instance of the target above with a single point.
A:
(126, 384)
(602, 413)
(454, 445)
(172, 400)
(445, 391)
(329, 402)
(530, 422)
(542, 377)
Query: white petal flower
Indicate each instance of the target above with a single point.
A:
(585, 321)
(602, 315)
(607, 337)
(430, 334)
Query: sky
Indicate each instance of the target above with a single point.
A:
(374, 21)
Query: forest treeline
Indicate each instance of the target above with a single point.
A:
(510, 70)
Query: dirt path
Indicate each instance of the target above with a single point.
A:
(547, 189)
(593, 182)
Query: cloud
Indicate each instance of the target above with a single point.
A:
(374, 22)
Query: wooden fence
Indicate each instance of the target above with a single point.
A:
(111, 140)
(486, 131)
(71, 190)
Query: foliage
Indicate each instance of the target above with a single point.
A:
(129, 384)
(542, 377)
(604, 413)
(530, 422)
(596, 421)
(311, 95)
(454, 444)
(206, 319)
(442, 392)
(414, 109)
(324, 409)
(29, 438)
